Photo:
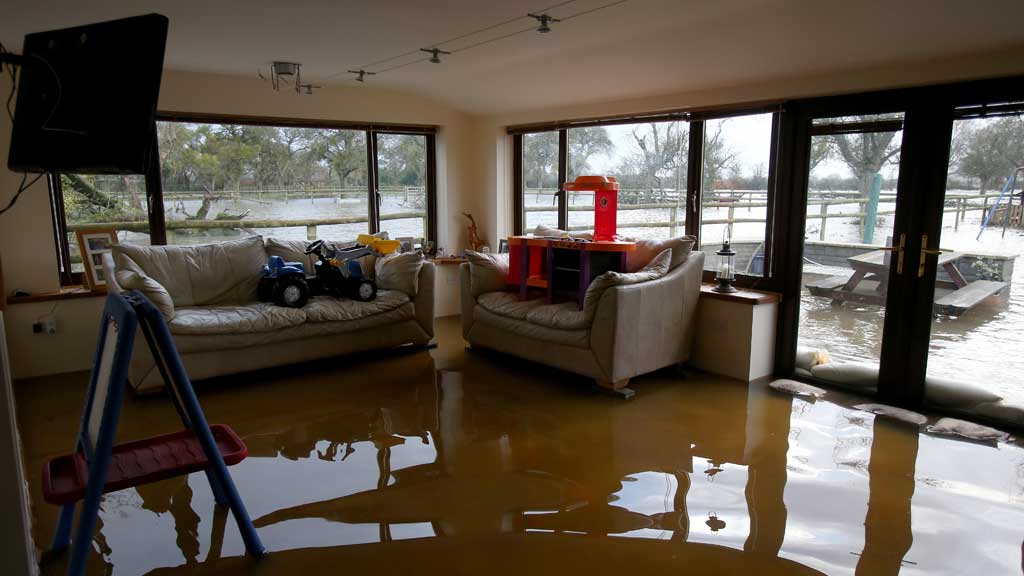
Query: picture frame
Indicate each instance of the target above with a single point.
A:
(406, 244)
(92, 245)
(502, 246)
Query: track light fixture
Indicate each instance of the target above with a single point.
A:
(284, 73)
(435, 54)
(543, 20)
(362, 74)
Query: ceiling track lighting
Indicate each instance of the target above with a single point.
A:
(284, 73)
(435, 54)
(361, 74)
(543, 20)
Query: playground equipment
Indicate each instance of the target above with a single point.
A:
(97, 466)
(1011, 182)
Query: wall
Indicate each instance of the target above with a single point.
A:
(493, 145)
(26, 234)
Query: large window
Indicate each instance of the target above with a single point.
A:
(710, 177)
(540, 180)
(224, 180)
(650, 162)
(734, 185)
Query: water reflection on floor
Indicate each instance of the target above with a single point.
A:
(454, 462)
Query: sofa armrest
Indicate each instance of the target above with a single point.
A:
(109, 268)
(424, 300)
(642, 327)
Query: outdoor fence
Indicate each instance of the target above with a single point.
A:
(736, 202)
(405, 194)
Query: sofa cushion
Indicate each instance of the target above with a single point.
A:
(564, 316)
(543, 230)
(294, 251)
(225, 273)
(656, 268)
(487, 272)
(130, 277)
(329, 309)
(194, 343)
(575, 338)
(508, 304)
(647, 249)
(399, 272)
(246, 319)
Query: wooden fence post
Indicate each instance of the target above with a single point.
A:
(824, 218)
(311, 232)
(732, 212)
(674, 217)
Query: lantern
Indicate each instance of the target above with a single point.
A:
(726, 274)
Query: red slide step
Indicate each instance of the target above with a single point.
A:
(139, 462)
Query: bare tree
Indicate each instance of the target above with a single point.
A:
(865, 154)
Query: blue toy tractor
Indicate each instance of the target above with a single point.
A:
(283, 283)
(337, 273)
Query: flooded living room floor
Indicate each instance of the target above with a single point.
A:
(454, 462)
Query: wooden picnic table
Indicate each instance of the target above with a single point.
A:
(876, 264)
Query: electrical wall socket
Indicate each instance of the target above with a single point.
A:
(45, 325)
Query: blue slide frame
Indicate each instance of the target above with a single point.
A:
(128, 313)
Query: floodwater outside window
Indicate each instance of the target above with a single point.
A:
(224, 181)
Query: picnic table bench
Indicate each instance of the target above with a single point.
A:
(874, 266)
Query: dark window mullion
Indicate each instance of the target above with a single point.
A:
(431, 231)
(694, 174)
(519, 193)
(563, 169)
(769, 233)
(155, 197)
(60, 230)
(372, 206)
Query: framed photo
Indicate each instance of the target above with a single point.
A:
(406, 244)
(502, 246)
(92, 245)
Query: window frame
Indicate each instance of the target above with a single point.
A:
(771, 279)
(154, 185)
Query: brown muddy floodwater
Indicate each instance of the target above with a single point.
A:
(451, 462)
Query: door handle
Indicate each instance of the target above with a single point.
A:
(899, 250)
(925, 252)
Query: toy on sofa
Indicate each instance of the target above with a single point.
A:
(337, 273)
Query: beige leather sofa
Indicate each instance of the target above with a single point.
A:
(635, 328)
(207, 294)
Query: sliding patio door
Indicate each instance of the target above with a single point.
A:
(851, 246)
(974, 359)
(900, 273)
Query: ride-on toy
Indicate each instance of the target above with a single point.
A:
(337, 273)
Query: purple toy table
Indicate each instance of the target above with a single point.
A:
(586, 260)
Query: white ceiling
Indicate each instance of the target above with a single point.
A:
(634, 49)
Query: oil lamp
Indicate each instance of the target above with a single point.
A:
(726, 274)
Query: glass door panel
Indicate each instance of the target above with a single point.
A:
(402, 185)
(977, 330)
(848, 240)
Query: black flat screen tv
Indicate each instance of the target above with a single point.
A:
(87, 98)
